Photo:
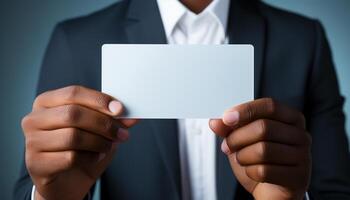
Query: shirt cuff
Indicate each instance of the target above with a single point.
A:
(33, 193)
(307, 197)
(32, 196)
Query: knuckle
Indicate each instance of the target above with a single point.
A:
(26, 121)
(102, 100)
(302, 119)
(71, 131)
(71, 113)
(232, 142)
(70, 159)
(261, 173)
(250, 111)
(36, 101)
(70, 92)
(30, 160)
(262, 151)
(239, 157)
(262, 128)
(74, 137)
(39, 98)
(270, 106)
(109, 126)
(308, 139)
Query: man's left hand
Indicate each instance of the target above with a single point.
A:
(268, 148)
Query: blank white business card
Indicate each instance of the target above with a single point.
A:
(178, 81)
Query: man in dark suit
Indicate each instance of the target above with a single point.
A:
(72, 135)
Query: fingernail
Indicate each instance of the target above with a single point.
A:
(224, 147)
(123, 134)
(101, 156)
(115, 107)
(231, 118)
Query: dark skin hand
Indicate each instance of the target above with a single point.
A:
(71, 136)
(268, 149)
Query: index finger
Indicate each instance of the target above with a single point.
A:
(79, 95)
(265, 108)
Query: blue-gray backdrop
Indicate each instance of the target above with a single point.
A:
(25, 30)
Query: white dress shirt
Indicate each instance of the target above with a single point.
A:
(197, 143)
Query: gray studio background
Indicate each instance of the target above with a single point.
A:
(24, 33)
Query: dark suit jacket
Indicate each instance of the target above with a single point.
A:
(293, 65)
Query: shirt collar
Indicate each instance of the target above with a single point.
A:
(171, 12)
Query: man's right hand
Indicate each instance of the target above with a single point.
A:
(71, 136)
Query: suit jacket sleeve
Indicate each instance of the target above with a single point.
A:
(58, 70)
(326, 120)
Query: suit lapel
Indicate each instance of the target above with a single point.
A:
(245, 26)
(144, 24)
(166, 135)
